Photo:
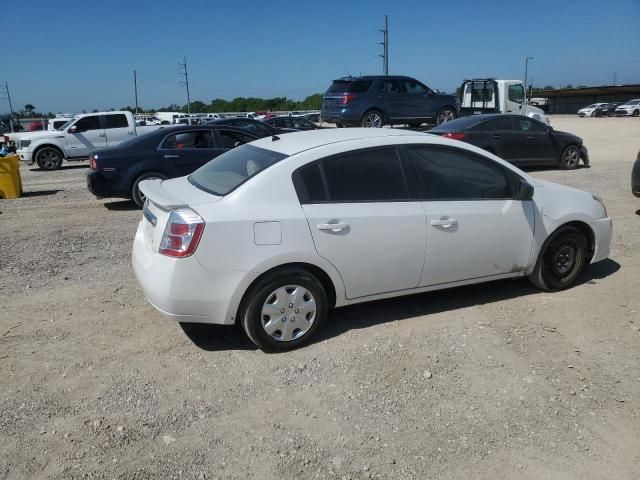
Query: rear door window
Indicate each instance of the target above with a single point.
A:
(118, 120)
(363, 176)
(499, 124)
(232, 139)
(189, 140)
(453, 174)
(390, 86)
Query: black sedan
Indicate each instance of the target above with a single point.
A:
(165, 153)
(608, 110)
(517, 139)
(251, 125)
(296, 123)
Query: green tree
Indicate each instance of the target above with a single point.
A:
(29, 108)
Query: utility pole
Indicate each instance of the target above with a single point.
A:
(183, 71)
(526, 68)
(385, 46)
(135, 88)
(7, 95)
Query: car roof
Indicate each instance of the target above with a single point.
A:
(296, 142)
(373, 77)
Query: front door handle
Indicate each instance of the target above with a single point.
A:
(444, 222)
(102, 134)
(333, 227)
(171, 156)
(495, 136)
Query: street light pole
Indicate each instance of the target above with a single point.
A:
(526, 69)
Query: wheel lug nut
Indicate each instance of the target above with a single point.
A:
(282, 310)
(297, 310)
(291, 305)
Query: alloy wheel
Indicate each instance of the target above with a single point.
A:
(571, 157)
(373, 120)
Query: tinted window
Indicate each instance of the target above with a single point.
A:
(232, 168)
(309, 184)
(453, 174)
(359, 87)
(390, 86)
(370, 175)
(57, 124)
(526, 124)
(253, 127)
(88, 123)
(516, 93)
(347, 86)
(192, 139)
(231, 139)
(415, 88)
(118, 120)
(495, 124)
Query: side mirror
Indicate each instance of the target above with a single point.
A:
(73, 129)
(430, 93)
(525, 190)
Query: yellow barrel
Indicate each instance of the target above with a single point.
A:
(10, 181)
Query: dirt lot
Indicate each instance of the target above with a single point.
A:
(491, 381)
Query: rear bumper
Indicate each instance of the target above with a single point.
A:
(344, 115)
(602, 229)
(103, 188)
(181, 289)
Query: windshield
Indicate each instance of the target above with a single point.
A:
(632, 102)
(231, 169)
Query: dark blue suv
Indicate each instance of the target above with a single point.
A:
(377, 100)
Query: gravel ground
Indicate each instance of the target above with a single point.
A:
(489, 381)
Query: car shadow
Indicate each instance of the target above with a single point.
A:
(63, 167)
(121, 206)
(364, 315)
(40, 193)
(637, 212)
(400, 308)
(544, 168)
(214, 338)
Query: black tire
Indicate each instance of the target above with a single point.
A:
(415, 124)
(561, 260)
(635, 113)
(570, 157)
(444, 115)
(252, 317)
(136, 195)
(372, 119)
(339, 125)
(49, 158)
(610, 114)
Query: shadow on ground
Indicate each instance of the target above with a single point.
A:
(122, 205)
(364, 315)
(40, 193)
(63, 167)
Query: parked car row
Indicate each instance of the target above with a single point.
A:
(618, 109)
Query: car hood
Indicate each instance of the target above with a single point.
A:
(572, 136)
(40, 135)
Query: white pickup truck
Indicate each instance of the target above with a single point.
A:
(78, 138)
(488, 95)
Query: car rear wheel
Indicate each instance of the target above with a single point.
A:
(636, 113)
(570, 158)
(561, 260)
(49, 158)
(372, 119)
(284, 310)
(445, 115)
(136, 195)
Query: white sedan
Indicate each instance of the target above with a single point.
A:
(274, 233)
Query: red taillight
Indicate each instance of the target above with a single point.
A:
(182, 233)
(347, 97)
(93, 162)
(455, 135)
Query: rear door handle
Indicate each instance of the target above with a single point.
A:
(171, 156)
(530, 137)
(333, 227)
(495, 136)
(102, 134)
(444, 222)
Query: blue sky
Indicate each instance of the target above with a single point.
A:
(72, 55)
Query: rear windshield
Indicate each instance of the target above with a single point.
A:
(231, 169)
(348, 86)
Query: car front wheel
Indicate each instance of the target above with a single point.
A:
(49, 158)
(570, 158)
(284, 310)
(561, 260)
